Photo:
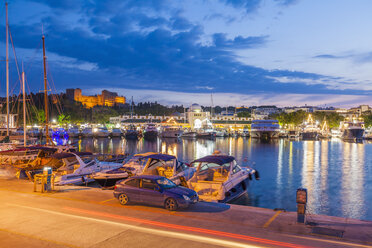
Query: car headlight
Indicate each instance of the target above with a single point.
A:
(186, 197)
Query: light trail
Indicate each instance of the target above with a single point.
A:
(186, 228)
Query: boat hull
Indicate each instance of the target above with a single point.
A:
(353, 134)
(310, 136)
(265, 134)
(150, 135)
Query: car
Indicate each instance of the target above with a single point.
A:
(155, 190)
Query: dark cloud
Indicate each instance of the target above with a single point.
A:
(167, 55)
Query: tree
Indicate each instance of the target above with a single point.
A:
(244, 114)
(40, 116)
(367, 120)
(64, 119)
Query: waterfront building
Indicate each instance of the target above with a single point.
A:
(263, 112)
(106, 98)
(197, 118)
(12, 120)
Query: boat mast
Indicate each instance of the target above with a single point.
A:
(45, 94)
(7, 68)
(24, 107)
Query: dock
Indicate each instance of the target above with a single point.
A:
(74, 216)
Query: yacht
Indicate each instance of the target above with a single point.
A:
(82, 170)
(100, 132)
(151, 132)
(171, 132)
(206, 133)
(310, 130)
(368, 134)
(221, 133)
(147, 164)
(293, 134)
(352, 130)
(87, 132)
(265, 129)
(116, 132)
(218, 178)
(131, 132)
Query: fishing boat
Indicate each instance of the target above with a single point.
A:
(310, 129)
(147, 164)
(218, 178)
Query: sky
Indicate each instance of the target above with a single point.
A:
(242, 52)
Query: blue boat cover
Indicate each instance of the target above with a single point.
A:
(216, 159)
(160, 156)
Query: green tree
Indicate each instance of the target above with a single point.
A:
(64, 119)
(244, 114)
(367, 120)
(40, 116)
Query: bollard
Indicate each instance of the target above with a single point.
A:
(301, 199)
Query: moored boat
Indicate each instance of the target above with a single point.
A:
(265, 129)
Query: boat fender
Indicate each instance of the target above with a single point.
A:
(257, 175)
(250, 177)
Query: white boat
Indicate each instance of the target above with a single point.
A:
(265, 129)
(73, 132)
(189, 134)
(206, 133)
(147, 164)
(100, 132)
(82, 170)
(116, 132)
(171, 132)
(221, 133)
(218, 178)
(368, 134)
(87, 132)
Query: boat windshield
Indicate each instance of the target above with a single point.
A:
(213, 172)
(166, 183)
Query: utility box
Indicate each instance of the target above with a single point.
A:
(301, 200)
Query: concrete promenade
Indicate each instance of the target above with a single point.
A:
(91, 217)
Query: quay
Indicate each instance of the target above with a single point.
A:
(74, 216)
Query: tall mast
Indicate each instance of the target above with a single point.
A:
(24, 107)
(45, 94)
(7, 68)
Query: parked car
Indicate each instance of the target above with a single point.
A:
(155, 190)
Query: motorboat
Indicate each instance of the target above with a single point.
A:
(352, 130)
(245, 132)
(73, 132)
(116, 132)
(218, 178)
(221, 133)
(147, 164)
(131, 132)
(206, 133)
(265, 129)
(100, 132)
(87, 132)
(189, 134)
(293, 134)
(151, 132)
(171, 132)
(368, 134)
(82, 170)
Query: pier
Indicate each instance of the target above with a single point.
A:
(75, 216)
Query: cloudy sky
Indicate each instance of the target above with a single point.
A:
(244, 52)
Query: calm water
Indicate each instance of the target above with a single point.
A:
(338, 175)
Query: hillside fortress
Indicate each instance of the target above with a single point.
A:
(106, 98)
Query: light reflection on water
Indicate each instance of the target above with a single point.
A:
(338, 175)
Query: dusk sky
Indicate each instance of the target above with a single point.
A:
(244, 52)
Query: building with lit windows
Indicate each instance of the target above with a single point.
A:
(106, 98)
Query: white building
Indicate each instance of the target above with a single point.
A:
(197, 118)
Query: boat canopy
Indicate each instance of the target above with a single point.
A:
(160, 156)
(216, 159)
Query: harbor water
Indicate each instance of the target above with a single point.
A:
(337, 174)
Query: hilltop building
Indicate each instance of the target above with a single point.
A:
(106, 98)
